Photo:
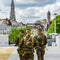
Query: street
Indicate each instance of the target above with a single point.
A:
(10, 53)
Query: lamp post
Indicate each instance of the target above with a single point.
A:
(55, 22)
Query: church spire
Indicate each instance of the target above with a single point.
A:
(48, 17)
(12, 12)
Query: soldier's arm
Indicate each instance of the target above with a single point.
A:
(17, 41)
(29, 44)
(45, 40)
(36, 43)
(21, 43)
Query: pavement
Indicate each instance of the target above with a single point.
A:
(10, 53)
(53, 53)
(5, 53)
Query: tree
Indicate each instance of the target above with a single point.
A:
(58, 23)
(14, 34)
(51, 29)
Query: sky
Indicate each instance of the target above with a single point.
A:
(29, 11)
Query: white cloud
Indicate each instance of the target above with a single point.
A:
(25, 1)
(25, 14)
(58, 3)
(40, 11)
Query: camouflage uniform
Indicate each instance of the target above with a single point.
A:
(28, 48)
(19, 43)
(41, 41)
(21, 48)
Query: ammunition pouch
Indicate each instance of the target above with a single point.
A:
(28, 51)
(38, 48)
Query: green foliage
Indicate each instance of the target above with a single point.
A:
(4, 32)
(15, 33)
(51, 29)
(58, 24)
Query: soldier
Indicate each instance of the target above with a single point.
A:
(41, 40)
(21, 35)
(28, 46)
(19, 42)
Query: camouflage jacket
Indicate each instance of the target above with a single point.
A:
(28, 45)
(18, 40)
(28, 42)
(40, 40)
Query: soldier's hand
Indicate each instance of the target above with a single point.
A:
(38, 47)
(27, 43)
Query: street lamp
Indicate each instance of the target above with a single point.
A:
(55, 22)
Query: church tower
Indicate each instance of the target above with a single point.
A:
(48, 20)
(48, 17)
(12, 12)
(12, 15)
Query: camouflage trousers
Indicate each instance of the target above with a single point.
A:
(21, 57)
(29, 57)
(40, 54)
(20, 52)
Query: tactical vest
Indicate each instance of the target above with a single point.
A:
(28, 42)
(41, 40)
(28, 45)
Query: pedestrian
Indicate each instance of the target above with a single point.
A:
(41, 40)
(20, 45)
(28, 46)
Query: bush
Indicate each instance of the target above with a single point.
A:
(14, 34)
